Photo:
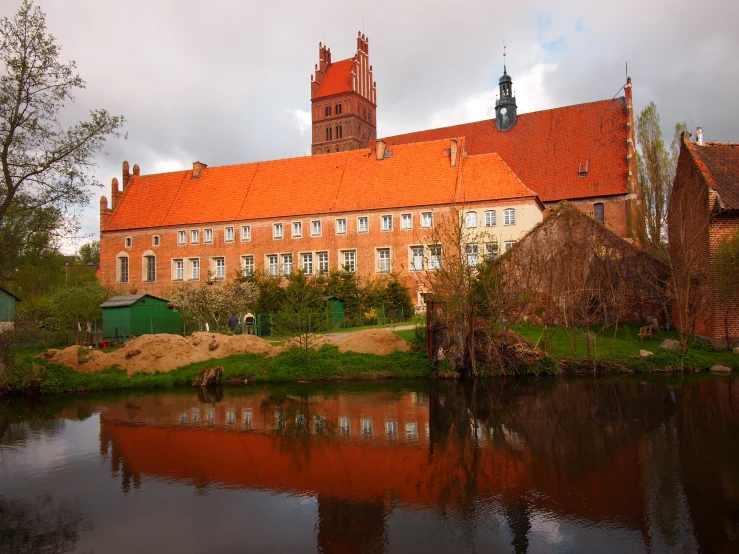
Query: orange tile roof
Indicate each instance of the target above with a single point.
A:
(337, 79)
(719, 163)
(544, 148)
(415, 175)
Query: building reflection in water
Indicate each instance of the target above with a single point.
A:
(618, 455)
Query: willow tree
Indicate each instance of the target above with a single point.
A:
(657, 167)
(43, 164)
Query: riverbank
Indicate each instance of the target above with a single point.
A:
(149, 363)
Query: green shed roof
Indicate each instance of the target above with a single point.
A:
(10, 293)
(127, 300)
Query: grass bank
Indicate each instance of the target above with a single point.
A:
(29, 373)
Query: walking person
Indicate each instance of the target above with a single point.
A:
(249, 321)
(233, 322)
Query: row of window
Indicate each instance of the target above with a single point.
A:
(339, 132)
(490, 218)
(420, 258)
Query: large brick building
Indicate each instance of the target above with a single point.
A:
(704, 208)
(369, 204)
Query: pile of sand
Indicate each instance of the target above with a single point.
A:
(162, 352)
(315, 341)
(374, 341)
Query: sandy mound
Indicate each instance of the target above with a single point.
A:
(316, 341)
(374, 341)
(162, 352)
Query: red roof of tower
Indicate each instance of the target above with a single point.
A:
(546, 149)
(338, 79)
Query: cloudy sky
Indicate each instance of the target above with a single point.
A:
(227, 82)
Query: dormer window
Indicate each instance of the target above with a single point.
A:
(582, 168)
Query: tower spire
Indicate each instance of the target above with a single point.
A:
(504, 70)
(505, 105)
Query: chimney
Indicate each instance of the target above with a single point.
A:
(115, 193)
(105, 213)
(380, 145)
(197, 169)
(126, 175)
(453, 153)
(699, 136)
(136, 170)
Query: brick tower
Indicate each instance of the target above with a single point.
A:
(344, 101)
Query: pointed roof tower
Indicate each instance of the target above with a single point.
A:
(505, 106)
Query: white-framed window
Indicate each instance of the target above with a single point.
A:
(229, 234)
(207, 236)
(194, 236)
(387, 223)
(383, 260)
(391, 429)
(247, 265)
(363, 224)
(128, 242)
(287, 264)
(491, 250)
(509, 244)
(509, 217)
(181, 237)
(350, 260)
(341, 226)
(150, 269)
(406, 221)
(220, 267)
(599, 212)
(411, 430)
(245, 232)
(306, 263)
(315, 228)
(472, 257)
(122, 269)
(322, 262)
(179, 270)
(435, 256)
(427, 219)
(366, 427)
(319, 423)
(490, 218)
(195, 269)
(470, 219)
(297, 229)
(277, 232)
(247, 417)
(273, 265)
(416, 258)
(345, 425)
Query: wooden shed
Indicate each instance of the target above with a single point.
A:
(138, 314)
(7, 308)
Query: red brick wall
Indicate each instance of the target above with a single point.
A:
(112, 243)
(615, 211)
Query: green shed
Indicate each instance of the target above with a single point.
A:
(335, 308)
(7, 307)
(138, 314)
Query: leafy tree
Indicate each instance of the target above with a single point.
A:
(28, 238)
(89, 253)
(43, 164)
(79, 304)
(214, 302)
(302, 311)
(656, 174)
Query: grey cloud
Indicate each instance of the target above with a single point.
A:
(214, 81)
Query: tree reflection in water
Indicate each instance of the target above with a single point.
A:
(655, 463)
(38, 527)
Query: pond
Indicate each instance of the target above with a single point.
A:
(547, 465)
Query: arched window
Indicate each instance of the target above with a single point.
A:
(121, 267)
(370, 116)
(338, 109)
(599, 212)
(329, 133)
(337, 148)
(328, 110)
(365, 112)
(149, 267)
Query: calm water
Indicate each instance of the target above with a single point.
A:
(506, 466)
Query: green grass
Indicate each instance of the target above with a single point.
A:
(32, 374)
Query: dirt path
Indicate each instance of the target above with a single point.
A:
(344, 335)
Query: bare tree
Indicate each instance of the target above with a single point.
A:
(42, 163)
